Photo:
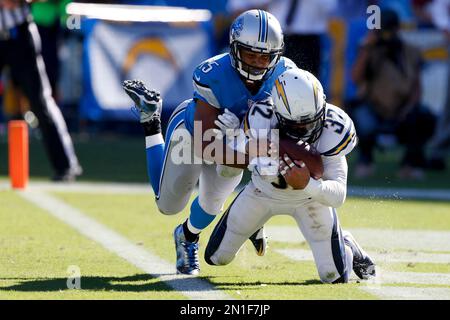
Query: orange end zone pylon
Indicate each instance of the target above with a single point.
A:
(18, 153)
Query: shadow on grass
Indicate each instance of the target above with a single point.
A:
(135, 283)
(259, 284)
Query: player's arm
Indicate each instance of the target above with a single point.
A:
(207, 96)
(339, 139)
(209, 100)
(330, 191)
(207, 114)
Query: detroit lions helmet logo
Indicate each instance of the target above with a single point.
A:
(236, 28)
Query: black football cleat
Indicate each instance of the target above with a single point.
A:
(363, 265)
(259, 241)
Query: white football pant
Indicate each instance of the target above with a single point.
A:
(319, 225)
(179, 180)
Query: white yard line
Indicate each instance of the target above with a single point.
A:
(143, 259)
(408, 293)
(413, 278)
(377, 286)
(376, 238)
(383, 276)
(379, 258)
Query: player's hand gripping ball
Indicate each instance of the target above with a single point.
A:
(294, 172)
(304, 152)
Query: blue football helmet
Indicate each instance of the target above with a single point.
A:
(257, 31)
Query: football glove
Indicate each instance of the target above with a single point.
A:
(228, 123)
(148, 102)
(264, 166)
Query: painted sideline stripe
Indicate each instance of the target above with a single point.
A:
(415, 240)
(408, 293)
(379, 258)
(143, 259)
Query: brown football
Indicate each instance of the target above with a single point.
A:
(304, 152)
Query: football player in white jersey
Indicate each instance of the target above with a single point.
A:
(299, 111)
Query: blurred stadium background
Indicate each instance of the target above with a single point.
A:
(100, 46)
(104, 46)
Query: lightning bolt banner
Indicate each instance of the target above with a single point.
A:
(160, 54)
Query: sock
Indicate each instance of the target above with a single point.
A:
(154, 144)
(198, 220)
(152, 126)
(190, 236)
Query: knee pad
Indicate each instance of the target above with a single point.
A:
(228, 172)
(167, 212)
(166, 208)
(219, 260)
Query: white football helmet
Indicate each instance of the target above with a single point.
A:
(299, 104)
(260, 32)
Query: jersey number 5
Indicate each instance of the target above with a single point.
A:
(208, 65)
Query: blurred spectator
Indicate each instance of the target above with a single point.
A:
(439, 14)
(421, 12)
(304, 23)
(20, 49)
(387, 73)
(403, 8)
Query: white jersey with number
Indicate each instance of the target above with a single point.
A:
(338, 138)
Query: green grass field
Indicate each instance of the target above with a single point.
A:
(409, 240)
(37, 250)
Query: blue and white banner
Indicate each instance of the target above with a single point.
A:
(163, 55)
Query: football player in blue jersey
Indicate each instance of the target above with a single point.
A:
(224, 88)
